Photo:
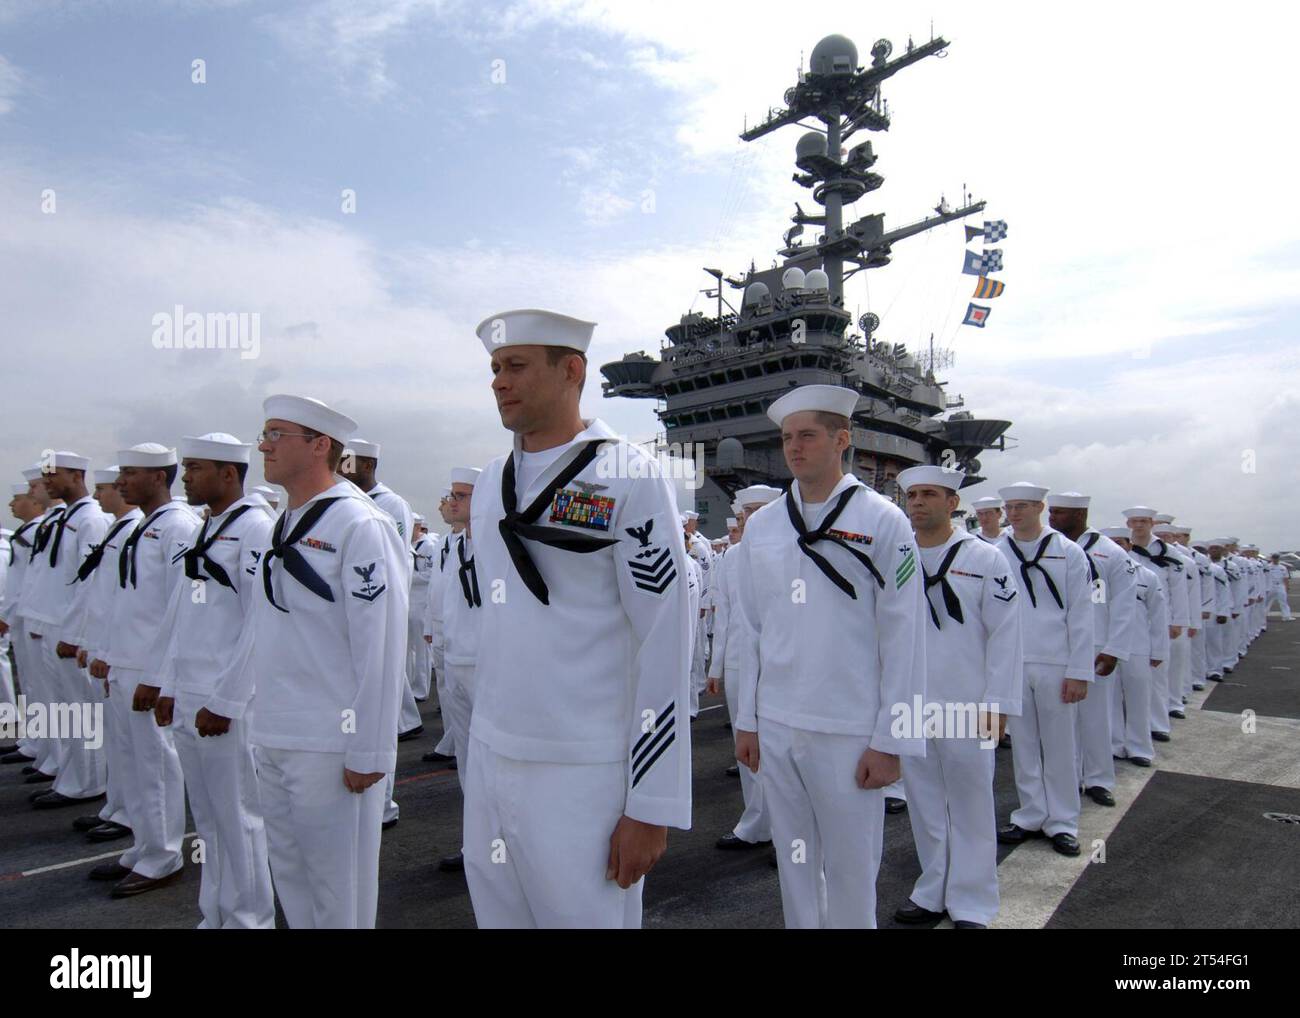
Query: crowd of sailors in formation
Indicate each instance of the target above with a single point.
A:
(265, 659)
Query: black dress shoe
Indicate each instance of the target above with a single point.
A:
(452, 863)
(1004, 742)
(436, 757)
(11, 747)
(1066, 844)
(731, 843)
(84, 824)
(133, 884)
(893, 805)
(29, 769)
(1160, 736)
(1101, 796)
(1013, 835)
(1215, 678)
(1139, 761)
(966, 924)
(16, 757)
(915, 915)
(726, 725)
(39, 778)
(387, 824)
(413, 733)
(1198, 686)
(54, 800)
(111, 870)
(733, 771)
(108, 831)
(1178, 714)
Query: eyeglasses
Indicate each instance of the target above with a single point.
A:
(275, 434)
(459, 496)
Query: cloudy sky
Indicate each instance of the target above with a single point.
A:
(374, 177)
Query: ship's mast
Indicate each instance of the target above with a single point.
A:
(846, 98)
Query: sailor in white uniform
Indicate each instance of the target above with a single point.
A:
(1218, 631)
(1130, 698)
(359, 463)
(456, 627)
(51, 604)
(89, 628)
(1259, 582)
(1237, 591)
(1180, 679)
(132, 660)
(827, 580)
(754, 829)
(445, 751)
(207, 612)
(1171, 568)
(268, 494)
(29, 509)
(1205, 592)
(424, 559)
(39, 686)
(1278, 578)
(1051, 573)
(1112, 581)
(573, 781)
(326, 648)
(974, 672)
(988, 511)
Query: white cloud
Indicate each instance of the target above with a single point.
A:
(11, 84)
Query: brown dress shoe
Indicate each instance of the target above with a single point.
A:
(133, 884)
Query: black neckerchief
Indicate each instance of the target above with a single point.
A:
(16, 540)
(516, 525)
(1093, 538)
(44, 530)
(126, 558)
(1025, 566)
(59, 528)
(91, 562)
(198, 554)
(442, 556)
(808, 538)
(295, 563)
(468, 576)
(950, 599)
(1160, 558)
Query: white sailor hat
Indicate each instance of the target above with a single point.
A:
(417, 517)
(831, 399)
(107, 475)
(1217, 542)
(1249, 547)
(465, 475)
(1200, 542)
(360, 447)
(1023, 491)
(20, 489)
(757, 494)
(534, 327)
(310, 413)
(1164, 528)
(987, 502)
(1138, 511)
(149, 455)
(940, 477)
(1115, 533)
(266, 491)
(690, 514)
(71, 460)
(1068, 500)
(737, 506)
(732, 522)
(32, 473)
(216, 446)
(1163, 518)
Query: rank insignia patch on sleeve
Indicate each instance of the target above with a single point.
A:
(651, 566)
(580, 509)
(369, 588)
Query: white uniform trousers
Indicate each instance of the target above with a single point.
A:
(418, 667)
(323, 840)
(1042, 750)
(699, 651)
(1242, 624)
(537, 844)
(1214, 633)
(1160, 694)
(1096, 767)
(1130, 706)
(1179, 666)
(896, 790)
(153, 786)
(827, 832)
(1200, 656)
(754, 825)
(18, 641)
(235, 888)
(408, 719)
(82, 767)
(38, 686)
(1278, 596)
(457, 712)
(7, 693)
(950, 802)
(447, 744)
(117, 759)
